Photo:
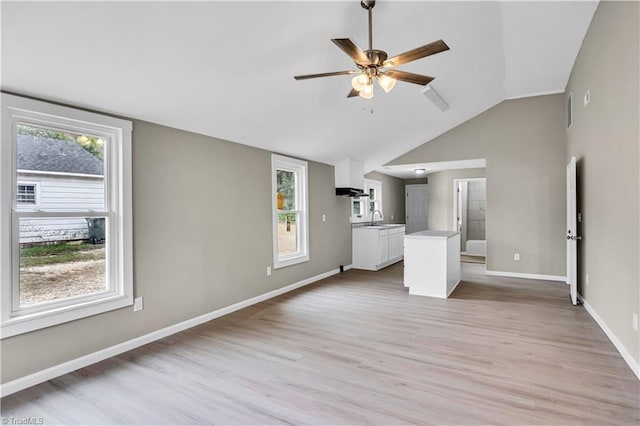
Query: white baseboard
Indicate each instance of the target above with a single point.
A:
(454, 287)
(635, 367)
(528, 276)
(92, 358)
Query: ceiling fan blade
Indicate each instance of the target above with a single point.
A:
(409, 77)
(353, 93)
(417, 53)
(352, 50)
(324, 74)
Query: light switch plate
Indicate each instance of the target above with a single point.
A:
(516, 256)
(138, 304)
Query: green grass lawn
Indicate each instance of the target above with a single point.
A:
(59, 253)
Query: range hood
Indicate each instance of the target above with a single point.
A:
(350, 178)
(350, 192)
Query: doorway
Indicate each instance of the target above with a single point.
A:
(469, 218)
(416, 208)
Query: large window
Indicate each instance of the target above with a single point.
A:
(65, 241)
(290, 211)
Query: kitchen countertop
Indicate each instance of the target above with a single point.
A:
(432, 234)
(382, 226)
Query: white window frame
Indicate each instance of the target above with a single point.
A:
(14, 319)
(279, 162)
(36, 191)
(369, 184)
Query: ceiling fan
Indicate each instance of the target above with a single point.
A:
(373, 64)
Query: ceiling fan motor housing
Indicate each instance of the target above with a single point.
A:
(376, 58)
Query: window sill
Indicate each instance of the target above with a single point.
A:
(25, 323)
(290, 261)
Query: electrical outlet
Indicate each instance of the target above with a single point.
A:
(391, 216)
(516, 257)
(586, 279)
(137, 304)
(268, 271)
(324, 217)
(587, 98)
(635, 322)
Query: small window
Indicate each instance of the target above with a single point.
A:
(65, 240)
(363, 207)
(290, 211)
(26, 194)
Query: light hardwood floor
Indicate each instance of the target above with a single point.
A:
(358, 349)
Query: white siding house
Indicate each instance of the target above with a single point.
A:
(56, 175)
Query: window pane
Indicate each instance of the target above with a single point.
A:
(357, 207)
(287, 234)
(372, 194)
(372, 207)
(70, 168)
(286, 190)
(26, 194)
(61, 258)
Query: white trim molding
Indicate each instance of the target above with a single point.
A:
(534, 94)
(92, 358)
(300, 170)
(527, 276)
(15, 317)
(633, 364)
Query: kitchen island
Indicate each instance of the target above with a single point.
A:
(432, 263)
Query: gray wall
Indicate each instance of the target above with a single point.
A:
(605, 138)
(440, 205)
(202, 240)
(416, 181)
(392, 196)
(523, 142)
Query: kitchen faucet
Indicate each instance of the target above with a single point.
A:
(373, 214)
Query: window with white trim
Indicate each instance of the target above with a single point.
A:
(27, 194)
(363, 207)
(79, 235)
(290, 211)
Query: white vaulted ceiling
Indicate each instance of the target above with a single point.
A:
(225, 69)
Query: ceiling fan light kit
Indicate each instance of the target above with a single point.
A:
(373, 64)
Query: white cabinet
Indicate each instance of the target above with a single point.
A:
(432, 263)
(383, 247)
(396, 244)
(375, 247)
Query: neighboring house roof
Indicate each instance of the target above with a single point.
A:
(54, 155)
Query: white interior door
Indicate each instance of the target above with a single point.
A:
(416, 208)
(572, 234)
